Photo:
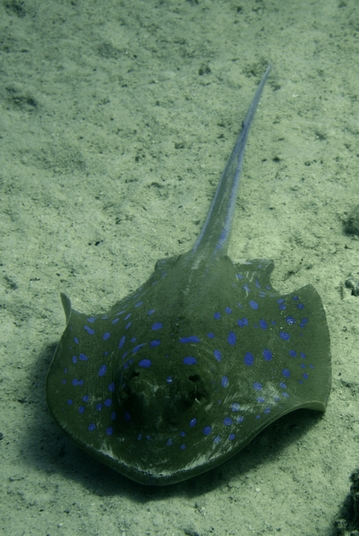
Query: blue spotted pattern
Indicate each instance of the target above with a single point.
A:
(181, 374)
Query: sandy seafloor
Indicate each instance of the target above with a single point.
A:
(117, 118)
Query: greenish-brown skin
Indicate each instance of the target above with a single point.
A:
(182, 374)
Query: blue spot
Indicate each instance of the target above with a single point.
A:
(113, 416)
(263, 324)
(217, 439)
(127, 316)
(102, 370)
(136, 348)
(127, 416)
(74, 359)
(155, 343)
(246, 288)
(303, 322)
(89, 330)
(210, 335)
(257, 284)
(122, 341)
(224, 381)
(248, 359)
(156, 326)
(133, 339)
(169, 442)
(207, 430)
(253, 304)
(91, 319)
(235, 406)
(266, 410)
(64, 381)
(151, 311)
(169, 379)
(190, 360)
(290, 320)
(302, 365)
(111, 387)
(192, 338)
(283, 385)
(300, 306)
(81, 409)
(240, 276)
(284, 336)
(183, 434)
(69, 402)
(76, 340)
(193, 422)
(227, 421)
(240, 418)
(257, 386)
(286, 395)
(115, 321)
(106, 336)
(231, 437)
(86, 398)
(92, 427)
(267, 354)
(183, 446)
(292, 353)
(83, 357)
(128, 325)
(98, 406)
(228, 310)
(217, 316)
(305, 375)
(108, 402)
(232, 338)
(242, 322)
(145, 363)
(109, 430)
(138, 304)
(217, 354)
(75, 381)
(286, 373)
(303, 356)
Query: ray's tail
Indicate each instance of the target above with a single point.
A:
(214, 236)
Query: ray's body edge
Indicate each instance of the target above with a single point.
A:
(84, 357)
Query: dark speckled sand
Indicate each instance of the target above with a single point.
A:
(117, 118)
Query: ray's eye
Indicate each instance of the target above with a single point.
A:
(152, 403)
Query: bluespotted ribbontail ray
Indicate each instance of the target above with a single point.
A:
(184, 372)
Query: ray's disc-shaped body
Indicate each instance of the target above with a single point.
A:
(183, 373)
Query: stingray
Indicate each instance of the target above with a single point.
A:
(184, 372)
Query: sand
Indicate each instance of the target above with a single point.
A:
(116, 121)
